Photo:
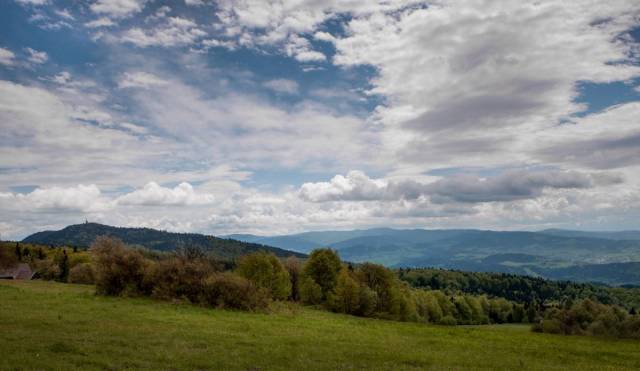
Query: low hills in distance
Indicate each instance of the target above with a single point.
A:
(82, 235)
(605, 257)
(615, 235)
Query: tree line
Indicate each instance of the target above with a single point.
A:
(588, 317)
(519, 288)
(255, 280)
(323, 281)
(48, 262)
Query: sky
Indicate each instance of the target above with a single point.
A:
(275, 117)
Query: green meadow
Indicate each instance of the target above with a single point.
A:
(55, 326)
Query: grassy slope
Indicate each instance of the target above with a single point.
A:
(46, 325)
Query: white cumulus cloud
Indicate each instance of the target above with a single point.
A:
(7, 57)
(81, 198)
(118, 8)
(155, 195)
(282, 86)
(174, 31)
(35, 56)
(140, 80)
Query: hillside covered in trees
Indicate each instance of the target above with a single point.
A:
(519, 288)
(83, 235)
(256, 280)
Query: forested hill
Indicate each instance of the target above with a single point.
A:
(82, 235)
(518, 288)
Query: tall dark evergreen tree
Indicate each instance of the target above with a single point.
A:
(532, 312)
(64, 266)
(18, 252)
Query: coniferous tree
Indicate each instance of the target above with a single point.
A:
(64, 266)
(532, 312)
(18, 252)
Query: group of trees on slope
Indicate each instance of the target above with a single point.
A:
(521, 289)
(66, 264)
(323, 280)
(588, 317)
(369, 290)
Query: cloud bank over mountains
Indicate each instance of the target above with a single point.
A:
(281, 116)
(508, 186)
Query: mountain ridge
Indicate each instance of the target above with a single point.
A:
(83, 235)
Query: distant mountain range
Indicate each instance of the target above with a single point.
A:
(607, 257)
(618, 236)
(83, 235)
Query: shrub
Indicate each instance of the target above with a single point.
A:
(323, 267)
(552, 326)
(367, 303)
(180, 278)
(587, 317)
(46, 269)
(499, 310)
(631, 327)
(265, 270)
(79, 258)
(310, 291)
(82, 273)
(7, 259)
(118, 269)
(448, 321)
(228, 290)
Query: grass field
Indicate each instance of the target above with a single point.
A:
(47, 325)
